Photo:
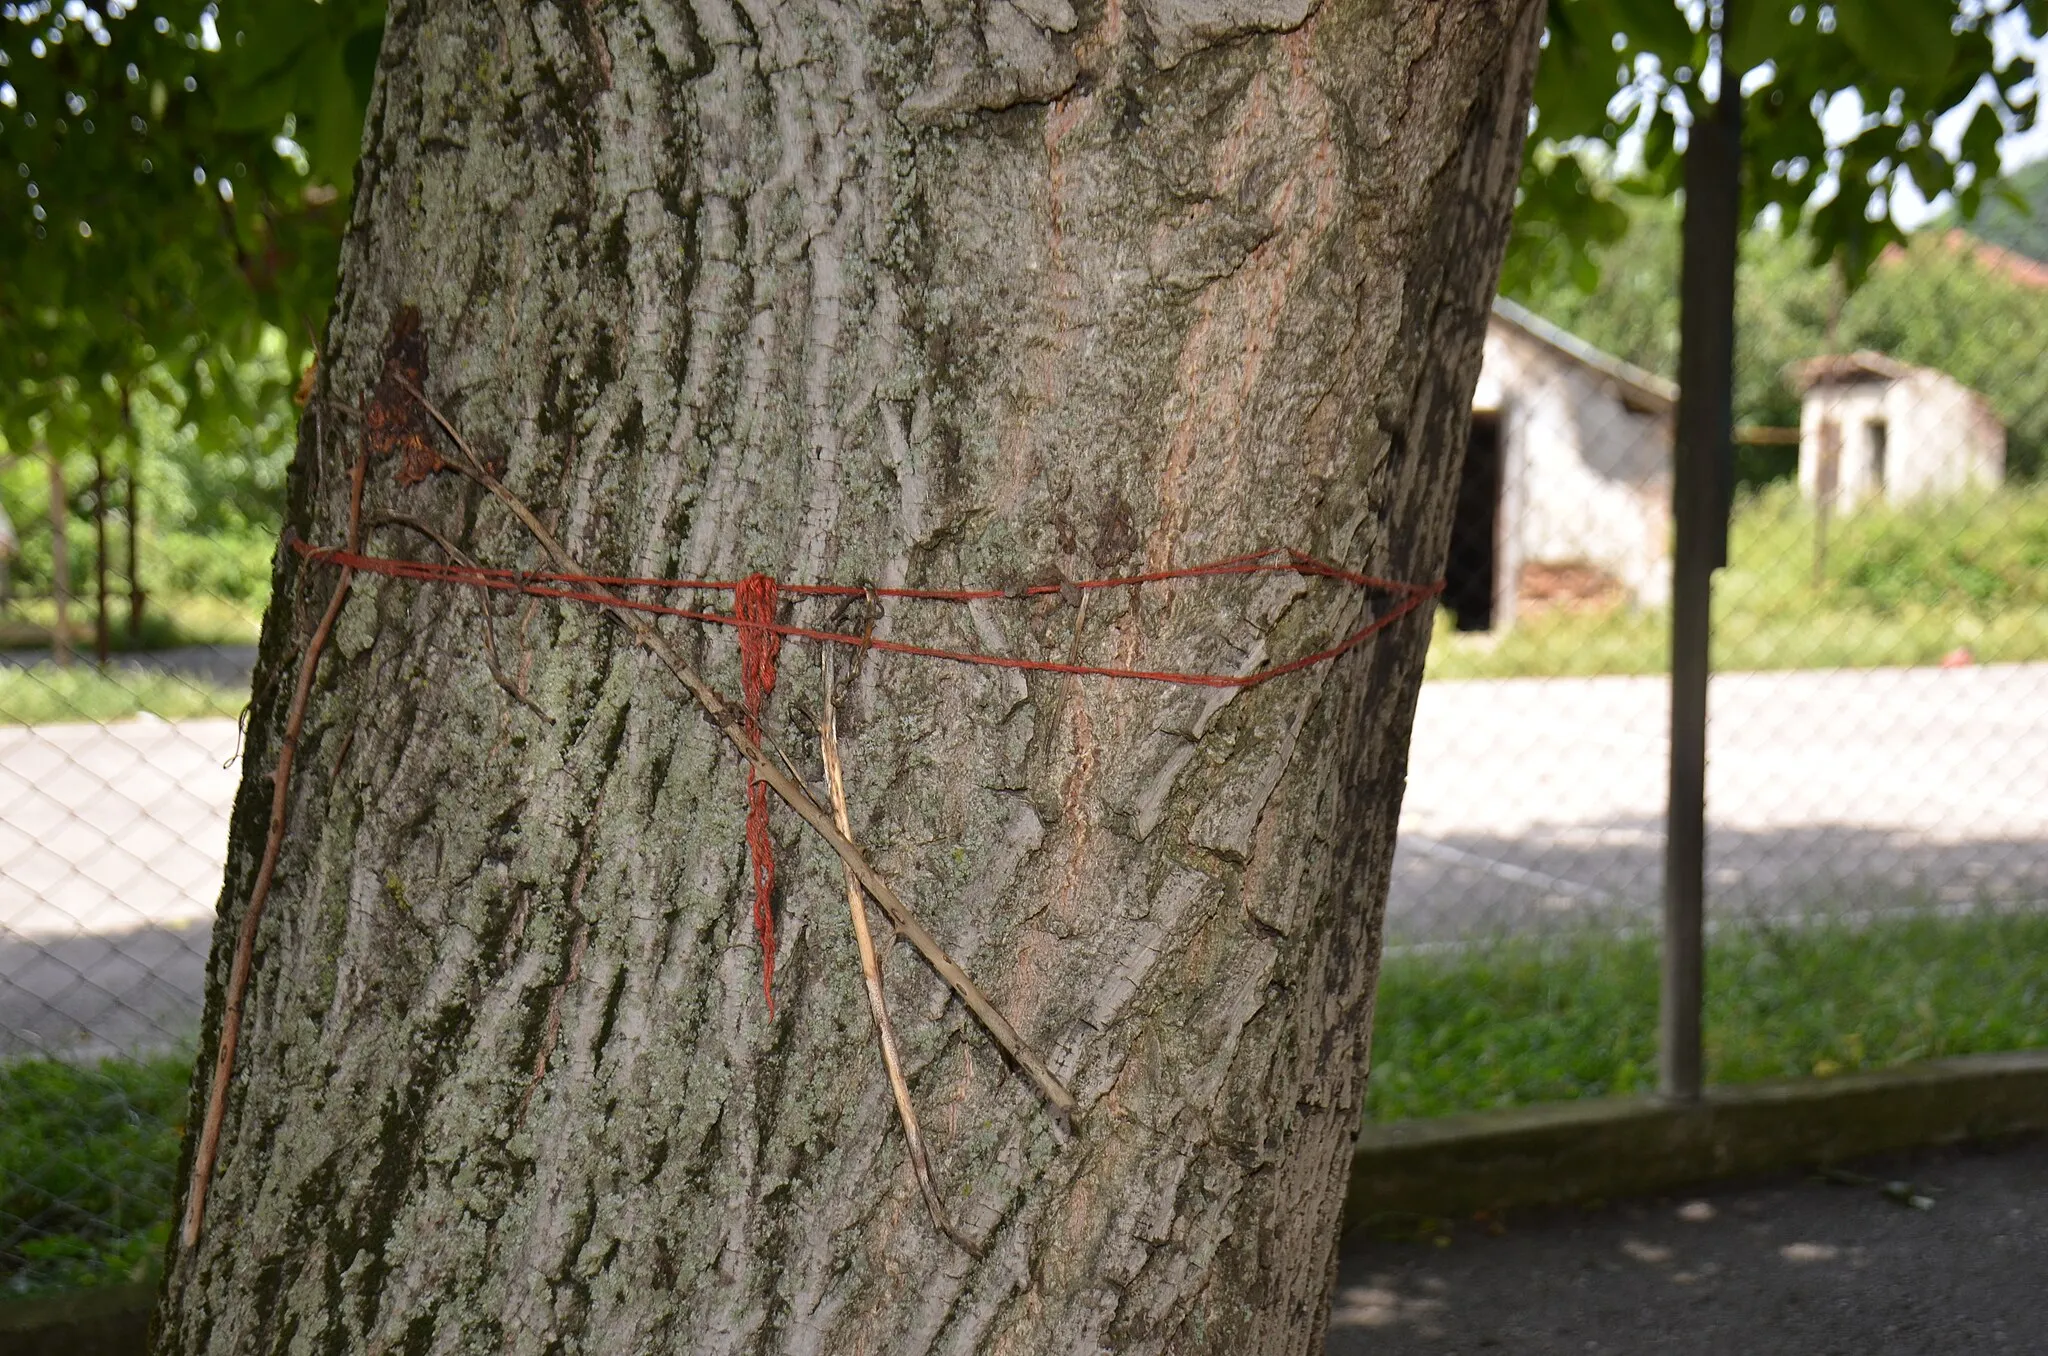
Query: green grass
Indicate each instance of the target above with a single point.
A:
(46, 695)
(1901, 587)
(88, 1153)
(88, 1157)
(167, 623)
(1523, 1020)
(43, 694)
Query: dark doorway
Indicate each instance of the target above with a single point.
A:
(1475, 529)
(1880, 437)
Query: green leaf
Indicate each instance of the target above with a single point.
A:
(1906, 40)
(1980, 139)
(1575, 78)
(1660, 28)
(1562, 214)
(1931, 171)
(1760, 31)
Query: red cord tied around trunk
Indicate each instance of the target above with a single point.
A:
(761, 636)
(753, 605)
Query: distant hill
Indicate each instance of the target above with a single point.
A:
(2004, 225)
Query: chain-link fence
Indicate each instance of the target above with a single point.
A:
(1878, 742)
(1877, 791)
(125, 656)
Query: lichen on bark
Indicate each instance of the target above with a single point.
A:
(914, 293)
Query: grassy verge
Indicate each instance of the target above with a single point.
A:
(1524, 1020)
(88, 1154)
(1900, 586)
(167, 623)
(46, 695)
(34, 691)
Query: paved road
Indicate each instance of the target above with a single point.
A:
(1529, 802)
(111, 844)
(1790, 1267)
(1543, 799)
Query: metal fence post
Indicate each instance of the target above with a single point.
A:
(1701, 488)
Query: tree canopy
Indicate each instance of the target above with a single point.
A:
(179, 180)
(181, 170)
(1841, 105)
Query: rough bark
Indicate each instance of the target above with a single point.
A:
(935, 294)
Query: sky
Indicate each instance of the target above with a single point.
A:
(2010, 38)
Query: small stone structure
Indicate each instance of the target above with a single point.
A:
(1872, 427)
(1567, 476)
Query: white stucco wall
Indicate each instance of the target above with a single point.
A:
(1585, 477)
(1939, 438)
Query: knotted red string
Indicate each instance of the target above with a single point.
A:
(754, 606)
(760, 637)
(585, 588)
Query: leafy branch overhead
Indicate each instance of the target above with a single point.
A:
(1623, 79)
(176, 180)
(177, 174)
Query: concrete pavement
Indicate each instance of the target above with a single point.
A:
(1542, 800)
(111, 844)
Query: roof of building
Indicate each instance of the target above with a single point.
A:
(1649, 389)
(1862, 366)
(2017, 267)
(1842, 369)
(1834, 368)
(2014, 265)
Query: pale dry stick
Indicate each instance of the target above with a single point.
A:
(871, 972)
(727, 719)
(259, 894)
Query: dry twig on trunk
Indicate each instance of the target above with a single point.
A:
(727, 718)
(871, 972)
(259, 894)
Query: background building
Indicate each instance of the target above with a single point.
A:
(1567, 485)
(1873, 427)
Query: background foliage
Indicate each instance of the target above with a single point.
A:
(175, 178)
(1933, 301)
(1841, 107)
(175, 181)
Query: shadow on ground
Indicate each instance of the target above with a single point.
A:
(100, 994)
(228, 666)
(1460, 885)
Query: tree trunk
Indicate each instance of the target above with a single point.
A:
(101, 632)
(132, 491)
(130, 499)
(60, 563)
(922, 295)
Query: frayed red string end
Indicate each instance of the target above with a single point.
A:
(754, 605)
